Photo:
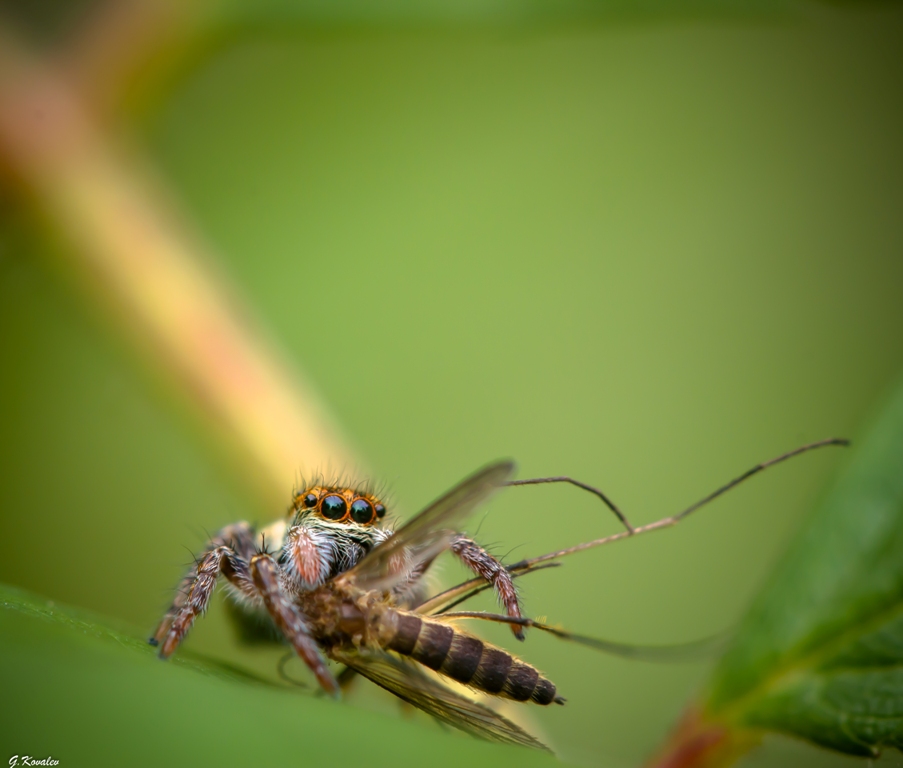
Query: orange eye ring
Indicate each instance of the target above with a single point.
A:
(340, 505)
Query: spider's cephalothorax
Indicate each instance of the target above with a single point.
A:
(330, 529)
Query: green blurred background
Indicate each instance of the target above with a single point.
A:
(647, 254)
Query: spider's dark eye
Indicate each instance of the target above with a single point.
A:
(380, 511)
(334, 508)
(361, 511)
(310, 500)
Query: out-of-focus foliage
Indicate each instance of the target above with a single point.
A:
(193, 712)
(820, 653)
(16, 605)
(645, 255)
(396, 13)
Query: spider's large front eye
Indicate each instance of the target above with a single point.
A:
(310, 500)
(333, 507)
(361, 511)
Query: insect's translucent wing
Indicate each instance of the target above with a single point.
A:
(409, 683)
(430, 532)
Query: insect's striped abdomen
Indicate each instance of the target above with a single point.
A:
(469, 660)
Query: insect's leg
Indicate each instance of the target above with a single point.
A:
(239, 537)
(631, 530)
(665, 522)
(485, 565)
(291, 622)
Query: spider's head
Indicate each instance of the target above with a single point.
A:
(338, 505)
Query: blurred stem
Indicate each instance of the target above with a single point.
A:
(118, 40)
(702, 742)
(155, 280)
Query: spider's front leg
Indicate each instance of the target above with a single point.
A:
(486, 566)
(227, 553)
(290, 620)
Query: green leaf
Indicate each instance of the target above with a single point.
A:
(820, 654)
(87, 693)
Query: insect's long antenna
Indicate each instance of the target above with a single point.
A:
(695, 650)
(664, 522)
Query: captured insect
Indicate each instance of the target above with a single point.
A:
(334, 583)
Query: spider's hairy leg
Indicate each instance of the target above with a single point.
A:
(221, 560)
(487, 567)
(229, 550)
(290, 621)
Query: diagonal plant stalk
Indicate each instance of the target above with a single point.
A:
(119, 235)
